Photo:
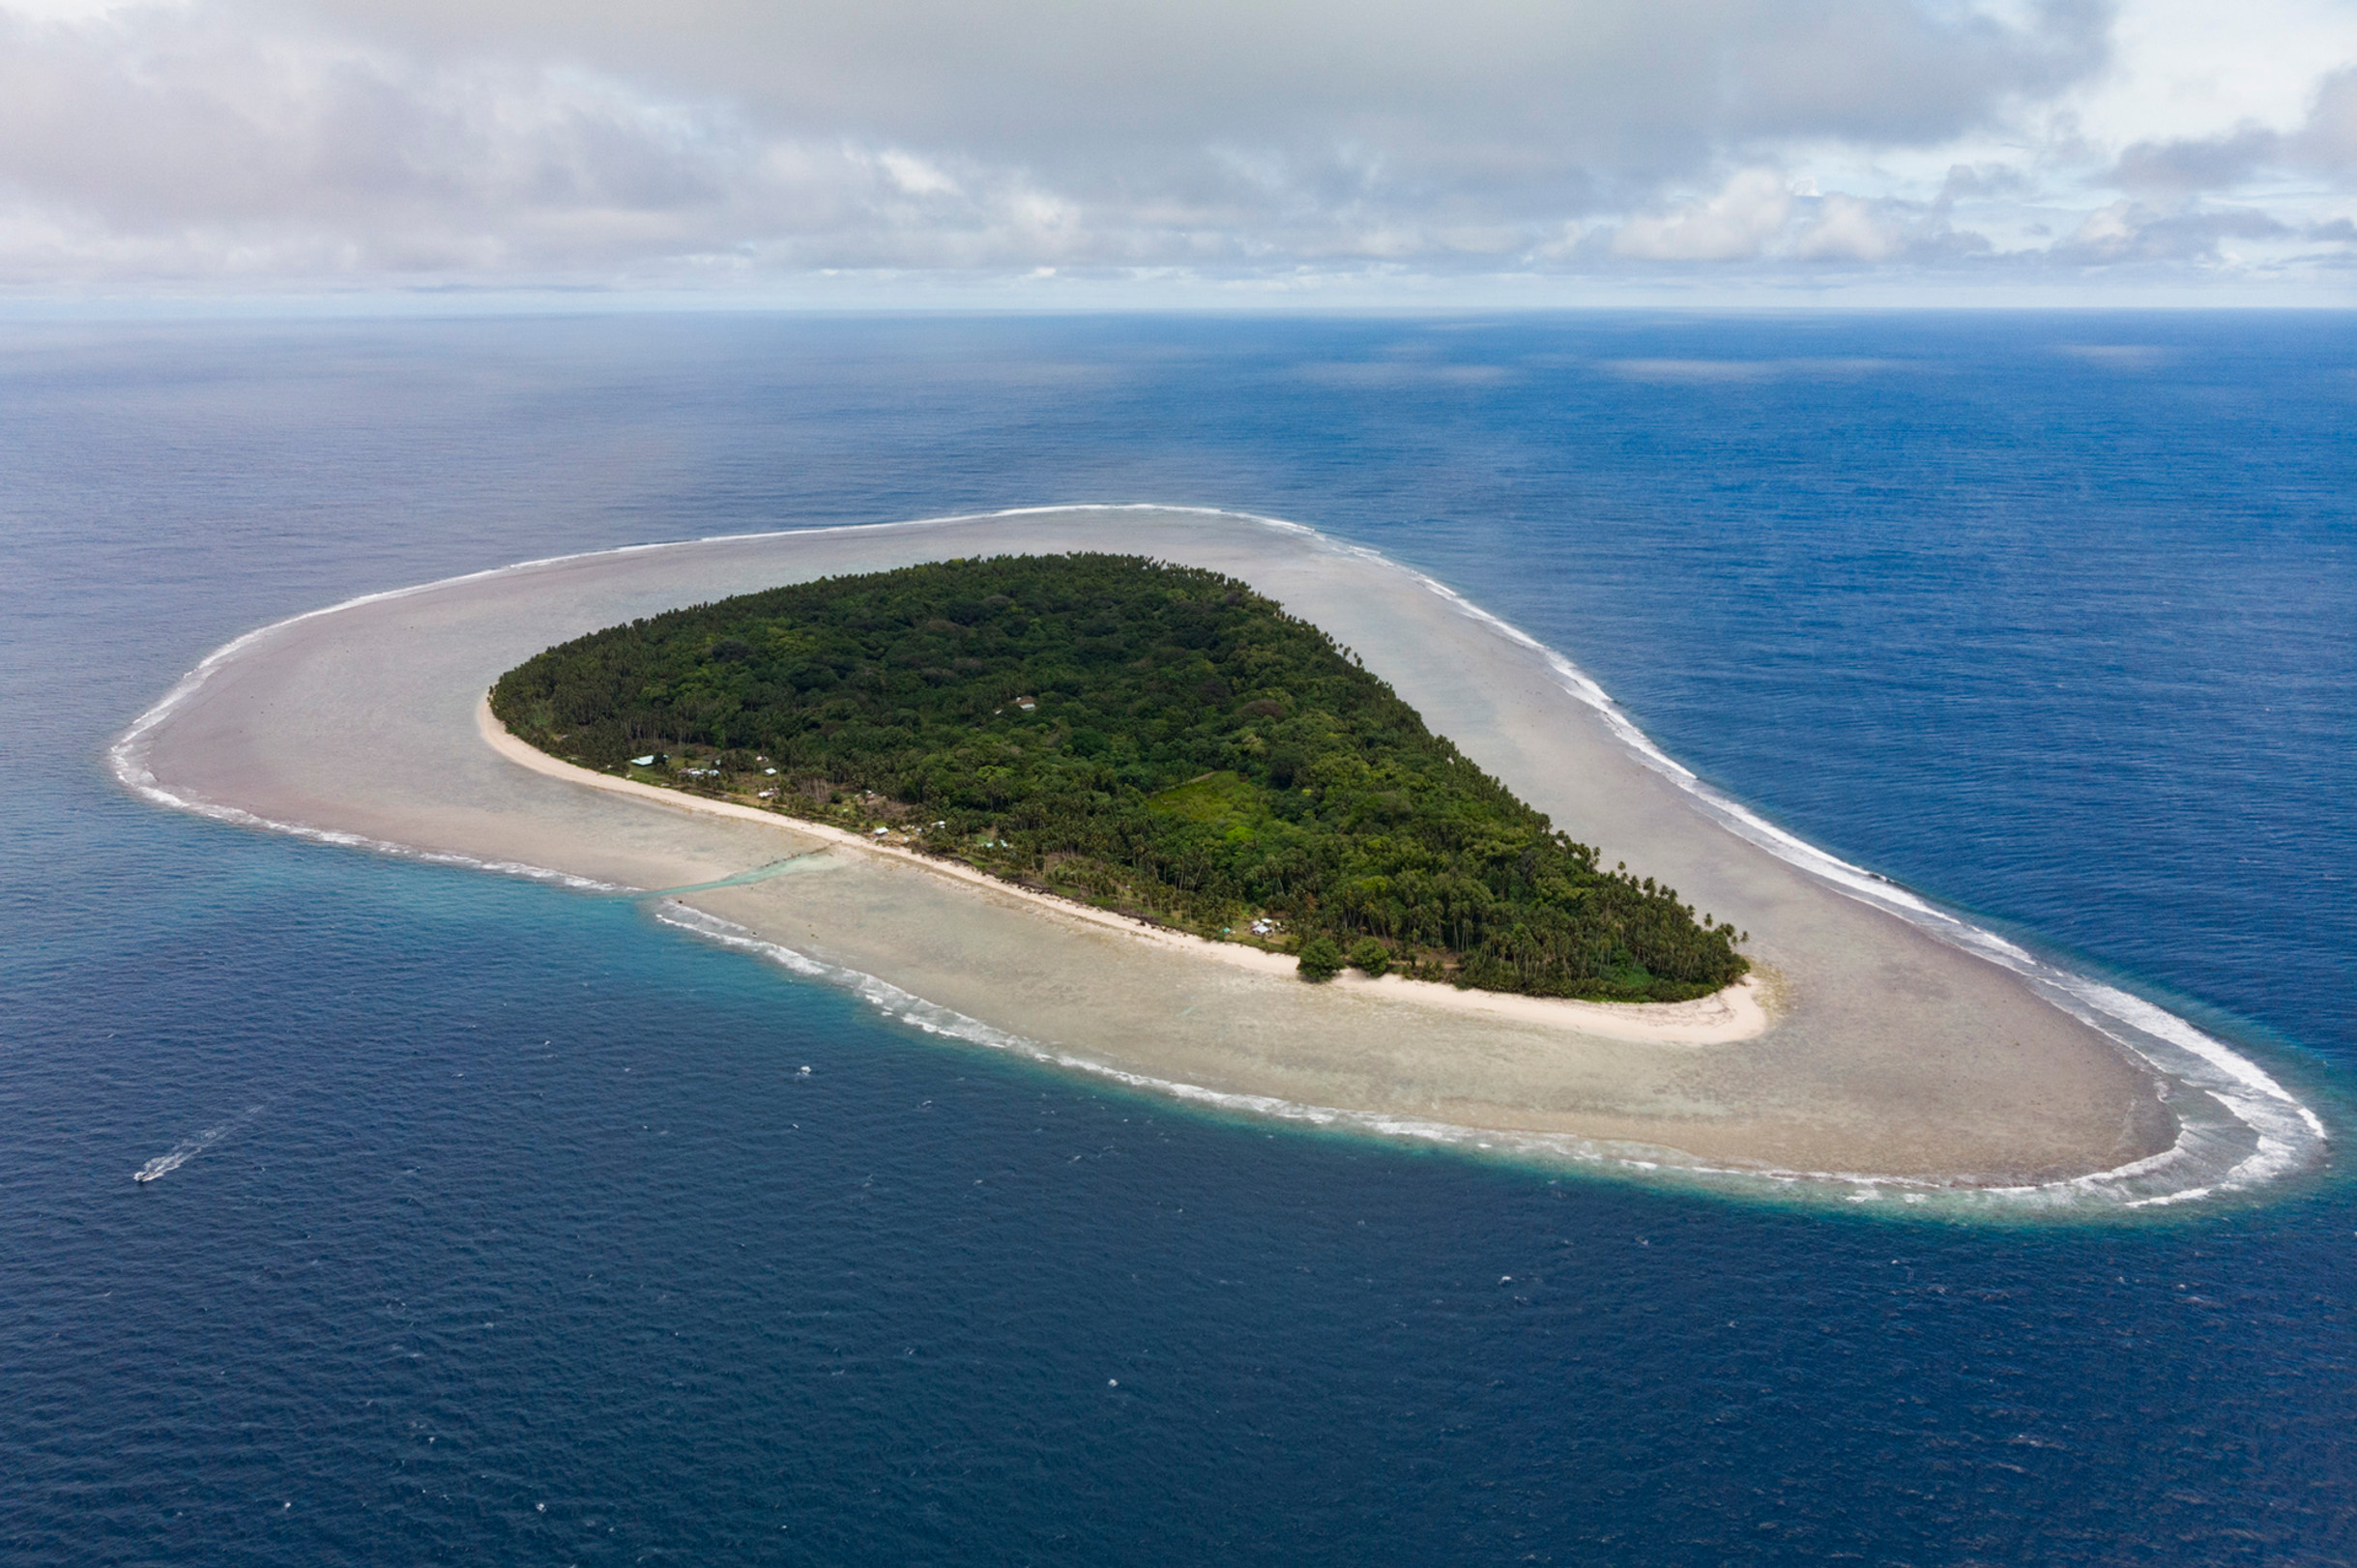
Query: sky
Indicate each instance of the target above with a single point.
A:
(1233, 152)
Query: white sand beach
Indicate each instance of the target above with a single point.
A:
(1736, 1013)
(1872, 1043)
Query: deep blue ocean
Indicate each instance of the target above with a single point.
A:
(517, 1236)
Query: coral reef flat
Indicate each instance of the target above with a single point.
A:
(1872, 1047)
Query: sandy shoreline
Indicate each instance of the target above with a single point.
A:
(1736, 1013)
(1889, 1054)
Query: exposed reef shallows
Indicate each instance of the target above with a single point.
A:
(1904, 1052)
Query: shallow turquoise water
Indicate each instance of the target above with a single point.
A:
(524, 1238)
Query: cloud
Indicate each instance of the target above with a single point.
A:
(2328, 141)
(2324, 144)
(2177, 169)
(1982, 182)
(1758, 215)
(364, 136)
(729, 143)
(1845, 228)
(1735, 225)
(2127, 232)
(1503, 88)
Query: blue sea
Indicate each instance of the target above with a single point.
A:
(509, 1227)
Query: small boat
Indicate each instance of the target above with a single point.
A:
(145, 1177)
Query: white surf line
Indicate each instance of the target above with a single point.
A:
(931, 1018)
(2289, 1134)
(237, 816)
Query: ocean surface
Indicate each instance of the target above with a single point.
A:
(507, 1225)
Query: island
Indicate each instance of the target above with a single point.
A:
(1155, 740)
(1877, 1049)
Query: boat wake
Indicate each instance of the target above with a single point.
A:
(187, 1149)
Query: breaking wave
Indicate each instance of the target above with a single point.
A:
(2151, 1182)
(2266, 1132)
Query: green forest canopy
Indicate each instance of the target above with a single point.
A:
(1149, 737)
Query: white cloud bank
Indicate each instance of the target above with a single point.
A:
(1177, 147)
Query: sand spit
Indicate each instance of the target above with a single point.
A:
(1884, 1050)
